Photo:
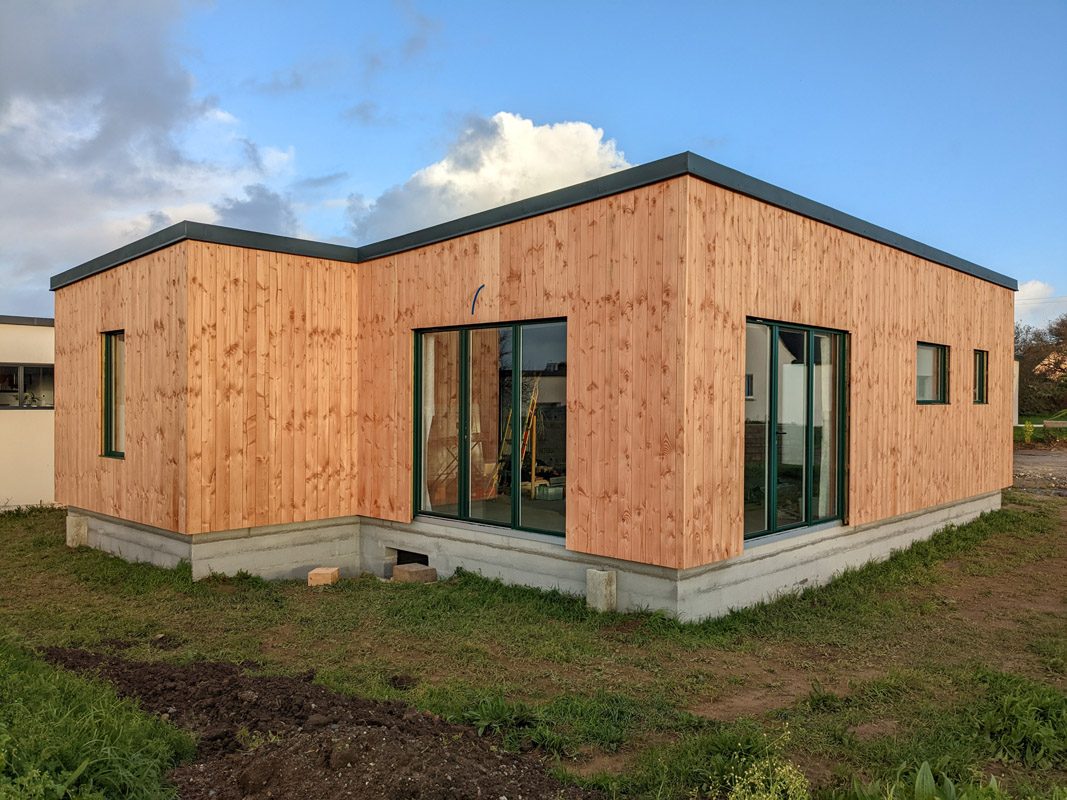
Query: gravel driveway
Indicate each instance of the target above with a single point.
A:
(1042, 469)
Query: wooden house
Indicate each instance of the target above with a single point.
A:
(677, 382)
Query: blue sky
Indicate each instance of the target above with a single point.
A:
(945, 121)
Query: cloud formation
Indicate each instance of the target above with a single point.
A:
(494, 160)
(1037, 303)
(96, 118)
(261, 209)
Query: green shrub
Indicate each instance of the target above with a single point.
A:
(66, 738)
(1023, 722)
(921, 785)
(770, 778)
(494, 714)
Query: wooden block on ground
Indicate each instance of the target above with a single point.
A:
(324, 576)
(414, 573)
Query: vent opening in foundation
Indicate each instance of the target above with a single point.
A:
(409, 557)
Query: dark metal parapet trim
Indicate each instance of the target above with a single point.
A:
(42, 322)
(202, 232)
(776, 196)
(622, 181)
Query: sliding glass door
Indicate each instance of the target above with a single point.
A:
(491, 440)
(794, 431)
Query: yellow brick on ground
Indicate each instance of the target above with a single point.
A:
(324, 576)
(414, 573)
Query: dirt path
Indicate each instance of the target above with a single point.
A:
(271, 737)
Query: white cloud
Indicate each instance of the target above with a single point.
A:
(102, 140)
(1037, 303)
(494, 161)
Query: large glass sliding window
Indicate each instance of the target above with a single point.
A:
(491, 447)
(794, 429)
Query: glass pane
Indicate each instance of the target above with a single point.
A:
(118, 392)
(757, 418)
(928, 374)
(490, 424)
(792, 427)
(9, 385)
(980, 357)
(826, 420)
(440, 423)
(38, 390)
(543, 403)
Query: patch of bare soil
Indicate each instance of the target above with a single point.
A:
(875, 729)
(777, 677)
(275, 737)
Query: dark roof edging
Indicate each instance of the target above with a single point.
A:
(625, 180)
(203, 232)
(41, 322)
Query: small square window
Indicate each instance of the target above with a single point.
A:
(931, 373)
(981, 376)
(749, 387)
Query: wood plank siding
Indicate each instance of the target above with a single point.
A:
(146, 299)
(750, 259)
(269, 388)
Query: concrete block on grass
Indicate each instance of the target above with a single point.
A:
(324, 576)
(601, 589)
(77, 530)
(414, 573)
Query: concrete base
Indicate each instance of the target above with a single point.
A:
(601, 589)
(769, 567)
(273, 551)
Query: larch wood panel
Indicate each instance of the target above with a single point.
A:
(268, 388)
(145, 298)
(749, 259)
(600, 265)
(280, 334)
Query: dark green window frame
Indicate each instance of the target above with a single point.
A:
(108, 450)
(981, 377)
(942, 374)
(809, 444)
(464, 514)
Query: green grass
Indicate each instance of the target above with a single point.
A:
(65, 737)
(1037, 419)
(859, 682)
(1041, 435)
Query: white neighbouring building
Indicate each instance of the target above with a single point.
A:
(27, 411)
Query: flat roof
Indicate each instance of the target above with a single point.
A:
(635, 177)
(42, 322)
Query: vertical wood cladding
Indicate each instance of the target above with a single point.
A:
(145, 298)
(749, 259)
(270, 388)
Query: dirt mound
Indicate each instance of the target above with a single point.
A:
(282, 737)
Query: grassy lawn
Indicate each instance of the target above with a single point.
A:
(1038, 419)
(62, 736)
(952, 653)
(1041, 434)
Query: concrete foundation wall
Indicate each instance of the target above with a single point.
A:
(769, 567)
(274, 552)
